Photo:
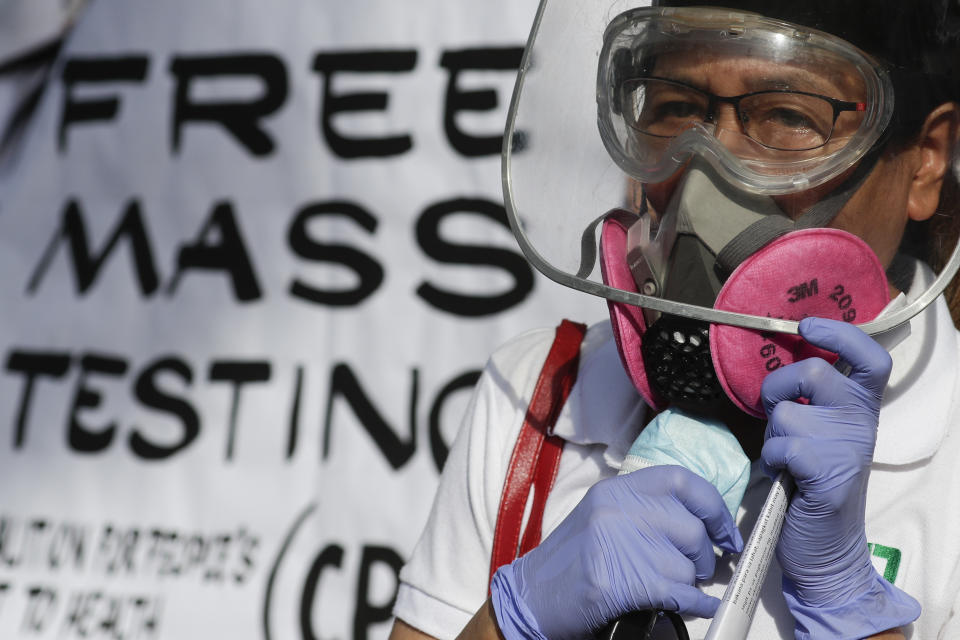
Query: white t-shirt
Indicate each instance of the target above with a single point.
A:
(913, 500)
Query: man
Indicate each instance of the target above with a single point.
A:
(782, 164)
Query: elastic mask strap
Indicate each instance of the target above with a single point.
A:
(763, 231)
(588, 240)
(588, 247)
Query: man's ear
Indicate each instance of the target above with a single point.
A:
(935, 146)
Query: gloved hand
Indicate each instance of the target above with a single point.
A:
(636, 541)
(827, 446)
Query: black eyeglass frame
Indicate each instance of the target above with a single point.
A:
(839, 106)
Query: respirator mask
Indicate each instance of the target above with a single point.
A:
(674, 145)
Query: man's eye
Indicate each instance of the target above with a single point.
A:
(677, 109)
(791, 118)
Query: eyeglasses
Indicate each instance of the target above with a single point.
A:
(646, 625)
(778, 119)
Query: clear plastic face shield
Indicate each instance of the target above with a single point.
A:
(654, 155)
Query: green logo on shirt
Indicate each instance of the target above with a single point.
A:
(891, 558)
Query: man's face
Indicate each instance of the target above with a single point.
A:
(877, 212)
(776, 117)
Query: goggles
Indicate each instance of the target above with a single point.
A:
(775, 108)
(612, 99)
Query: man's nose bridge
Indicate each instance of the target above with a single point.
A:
(723, 114)
(736, 142)
(727, 126)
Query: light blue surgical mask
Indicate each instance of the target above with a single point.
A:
(702, 445)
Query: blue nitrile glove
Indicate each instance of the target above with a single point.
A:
(636, 541)
(827, 446)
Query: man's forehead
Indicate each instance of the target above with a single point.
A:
(707, 67)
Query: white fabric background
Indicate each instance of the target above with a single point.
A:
(246, 531)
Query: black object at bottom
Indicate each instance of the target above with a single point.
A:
(676, 354)
(646, 625)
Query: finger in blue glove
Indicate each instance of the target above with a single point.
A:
(636, 541)
(822, 429)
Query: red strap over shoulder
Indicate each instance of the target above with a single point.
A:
(536, 455)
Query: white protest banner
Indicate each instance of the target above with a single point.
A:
(254, 256)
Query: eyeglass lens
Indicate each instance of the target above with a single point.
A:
(784, 120)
